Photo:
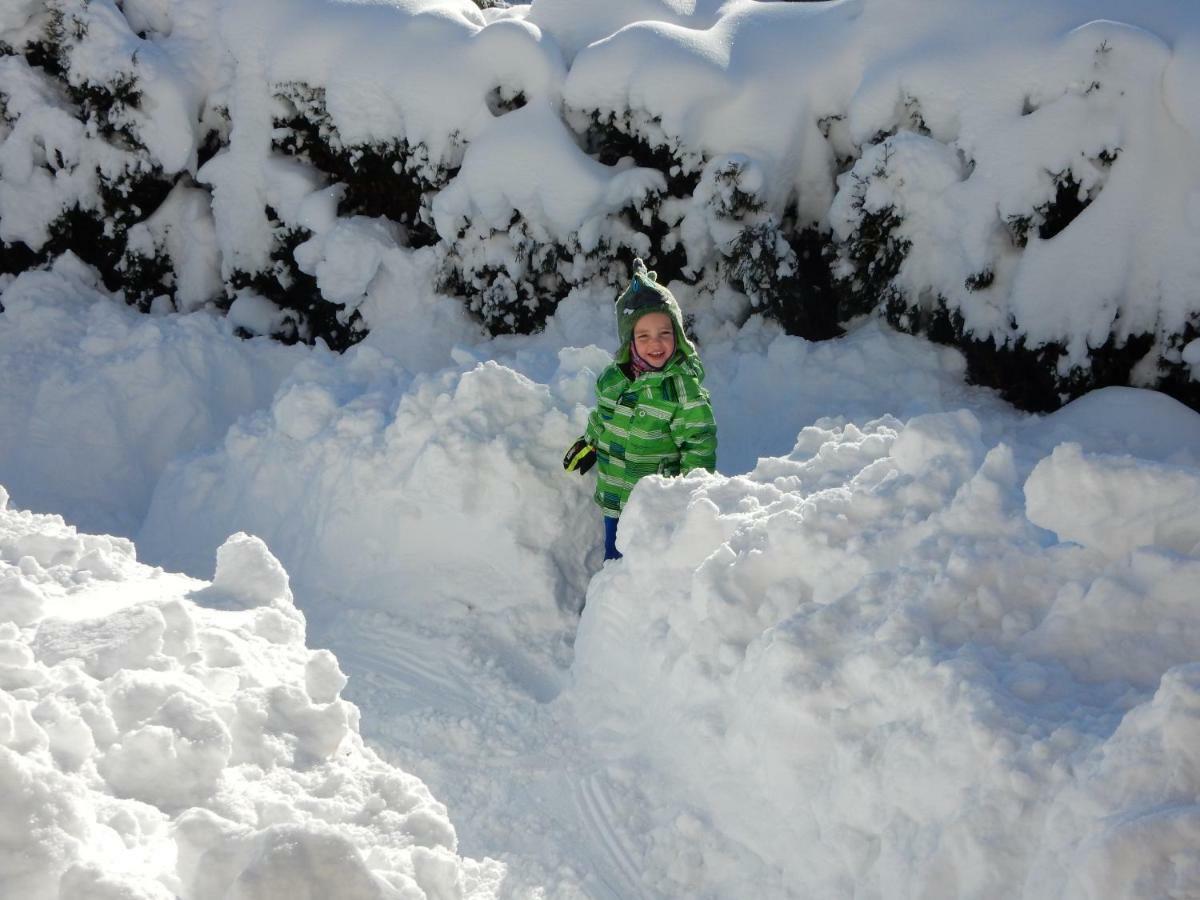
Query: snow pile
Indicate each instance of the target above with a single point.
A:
(1115, 504)
(370, 482)
(884, 678)
(161, 737)
(409, 473)
(103, 398)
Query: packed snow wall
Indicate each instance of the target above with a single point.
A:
(1020, 181)
(923, 658)
(163, 737)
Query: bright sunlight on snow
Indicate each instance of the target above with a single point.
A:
(279, 622)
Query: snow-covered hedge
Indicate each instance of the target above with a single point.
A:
(1018, 181)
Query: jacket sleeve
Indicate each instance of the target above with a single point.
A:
(594, 427)
(595, 423)
(693, 428)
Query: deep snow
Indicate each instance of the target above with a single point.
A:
(908, 642)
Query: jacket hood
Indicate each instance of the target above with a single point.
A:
(645, 295)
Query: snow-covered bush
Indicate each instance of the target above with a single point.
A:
(610, 137)
(518, 238)
(1006, 234)
(389, 178)
(81, 162)
(1038, 221)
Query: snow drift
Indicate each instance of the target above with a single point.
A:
(937, 648)
(165, 737)
(892, 683)
(909, 642)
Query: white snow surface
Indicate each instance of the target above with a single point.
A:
(163, 737)
(907, 642)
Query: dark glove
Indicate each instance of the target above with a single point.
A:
(580, 458)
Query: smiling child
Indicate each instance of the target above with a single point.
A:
(652, 417)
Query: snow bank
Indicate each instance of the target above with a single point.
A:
(104, 398)
(1115, 504)
(160, 738)
(370, 480)
(881, 675)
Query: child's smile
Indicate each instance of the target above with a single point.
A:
(654, 338)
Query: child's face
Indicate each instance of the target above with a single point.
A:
(654, 338)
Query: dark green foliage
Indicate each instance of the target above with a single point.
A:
(786, 275)
(979, 281)
(609, 139)
(212, 144)
(309, 316)
(146, 277)
(833, 129)
(501, 100)
(392, 179)
(521, 305)
(99, 239)
(134, 195)
(16, 258)
(912, 119)
(1029, 377)
(105, 108)
(1018, 229)
(1069, 201)
(875, 254)
(503, 306)
(217, 126)
(128, 196)
(48, 51)
(666, 257)
(547, 270)
(807, 303)
(1175, 376)
(87, 233)
(783, 268)
(1051, 217)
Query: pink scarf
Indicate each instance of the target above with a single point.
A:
(639, 365)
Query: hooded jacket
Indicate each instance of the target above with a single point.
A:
(659, 423)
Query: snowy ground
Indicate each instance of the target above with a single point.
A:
(908, 642)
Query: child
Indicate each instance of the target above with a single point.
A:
(652, 417)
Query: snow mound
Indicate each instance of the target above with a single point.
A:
(105, 397)
(1115, 504)
(400, 474)
(881, 675)
(152, 747)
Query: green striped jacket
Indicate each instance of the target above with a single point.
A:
(662, 423)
